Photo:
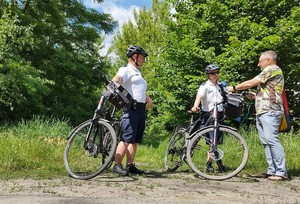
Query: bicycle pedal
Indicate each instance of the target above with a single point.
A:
(209, 169)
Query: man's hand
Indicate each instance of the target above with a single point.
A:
(195, 109)
(229, 89)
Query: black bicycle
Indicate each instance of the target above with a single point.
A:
(247, 118)
(175, 154)
(91, 146)
(219, 143)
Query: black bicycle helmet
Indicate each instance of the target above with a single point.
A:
(133, 49)
(210, 68)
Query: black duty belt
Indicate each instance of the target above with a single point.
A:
(139, 105)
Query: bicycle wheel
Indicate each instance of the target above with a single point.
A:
(85, 160)
(230, 158)
(176, 151)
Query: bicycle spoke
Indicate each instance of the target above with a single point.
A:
(176, 151)
(227, 160)
(86, 159)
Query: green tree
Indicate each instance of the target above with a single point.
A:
(66, 38)
(21, 85)
(231, 34)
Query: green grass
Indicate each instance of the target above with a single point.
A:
(34, 149)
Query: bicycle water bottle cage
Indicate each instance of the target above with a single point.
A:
(117, 95)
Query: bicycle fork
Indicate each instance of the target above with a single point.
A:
(86, 144)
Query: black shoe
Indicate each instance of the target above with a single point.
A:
(118, 169)
(209, 167)
(221, 165)
(131, 168)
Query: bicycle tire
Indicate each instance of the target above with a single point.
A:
(86, 163)
(233, 152)
(176, 151)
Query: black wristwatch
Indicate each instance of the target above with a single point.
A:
(234, 89)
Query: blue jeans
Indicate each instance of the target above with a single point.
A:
(267, 126)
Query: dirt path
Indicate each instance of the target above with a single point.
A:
(149, 188)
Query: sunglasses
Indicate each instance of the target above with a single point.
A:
(213, 73)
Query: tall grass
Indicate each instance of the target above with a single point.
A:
(257, 161)
(34, 149)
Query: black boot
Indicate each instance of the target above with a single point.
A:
(221, 165)
(209, 167)
(131, 168)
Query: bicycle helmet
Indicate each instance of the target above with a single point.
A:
(210, 68)
(133, 49)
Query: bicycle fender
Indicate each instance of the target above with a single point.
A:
(229, 127)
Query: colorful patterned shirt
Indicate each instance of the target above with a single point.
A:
(269, 91)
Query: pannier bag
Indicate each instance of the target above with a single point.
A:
(234, 105)
(117, 95)
(286, 123)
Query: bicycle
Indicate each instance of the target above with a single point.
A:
(232, 150)
(175, 154)
(247, 118)
(91, 145)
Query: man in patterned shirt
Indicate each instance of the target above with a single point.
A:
(269, 110)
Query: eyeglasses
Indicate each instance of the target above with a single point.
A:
(213, 73)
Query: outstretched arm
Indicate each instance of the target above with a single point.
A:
(244, 85)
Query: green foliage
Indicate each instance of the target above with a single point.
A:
(42, 128)
(47, 51)
(21, 85)
(231, 34)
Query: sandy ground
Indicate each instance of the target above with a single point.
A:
(149, 188)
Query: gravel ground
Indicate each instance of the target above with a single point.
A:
(149, 188)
